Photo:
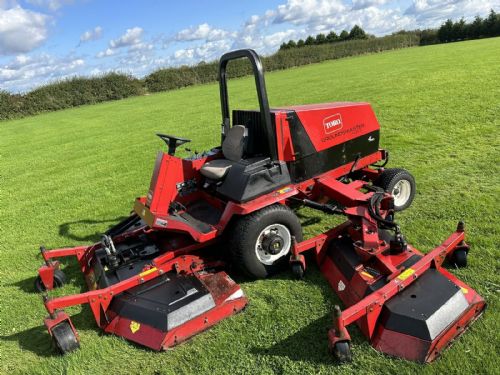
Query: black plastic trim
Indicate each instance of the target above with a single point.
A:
(260, 84)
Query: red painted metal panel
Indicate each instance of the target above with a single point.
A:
(331, 124)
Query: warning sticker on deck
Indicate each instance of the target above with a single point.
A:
(134, 326)
(406, 274)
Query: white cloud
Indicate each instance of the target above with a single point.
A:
(310, 12)
(202, 32)
(267, 43)
(91, 35)
(430, 13)
(131, 37)
(107, 52)
(25, 72)
(206, 52)
(21, 30)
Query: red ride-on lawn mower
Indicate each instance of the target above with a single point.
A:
(158, 277)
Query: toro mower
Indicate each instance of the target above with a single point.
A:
(159, 277)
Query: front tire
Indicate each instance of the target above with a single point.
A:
(400, 184)
(261, 241)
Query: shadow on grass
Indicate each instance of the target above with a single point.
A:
(71, 269)
(38, 341)
(309, 344)
(307, 220)
(65, 229)
(69, 264)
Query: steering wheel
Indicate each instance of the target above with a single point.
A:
(172, 142)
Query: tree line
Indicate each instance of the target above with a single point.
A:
(449, 31)
(479, 28)
(355, 33)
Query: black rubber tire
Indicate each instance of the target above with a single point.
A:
(59, 281)
(245, 231)
(342, 352)
(64, 338)
(459, 258)
(390, 177)
(297, 271)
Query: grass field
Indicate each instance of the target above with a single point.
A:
(69, 175)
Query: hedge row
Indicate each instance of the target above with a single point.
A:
(168, 79)
(78, 91)
(69, 93)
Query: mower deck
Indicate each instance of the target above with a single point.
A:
(152, 296)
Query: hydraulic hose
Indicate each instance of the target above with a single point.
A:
(374, 210)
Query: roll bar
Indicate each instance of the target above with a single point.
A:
(260, 85)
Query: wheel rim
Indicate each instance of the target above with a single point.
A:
(274, 231)
(401, 192)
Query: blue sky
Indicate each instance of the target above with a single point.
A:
(45, 40)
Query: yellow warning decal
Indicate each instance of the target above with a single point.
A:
(366, 274)
(147, 272)
(406, 274)
(464, 290)
(284, 190)
(134, 326)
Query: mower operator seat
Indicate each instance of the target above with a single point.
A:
(232, 149)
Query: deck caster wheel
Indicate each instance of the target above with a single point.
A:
(459, 258)
(59, 281)
(64, 338)
(297, 271)
(342, 352)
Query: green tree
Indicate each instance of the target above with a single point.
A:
(357, 33)
(292, 44)
(428, 36)
(332, 37)
(344, 35)
(458, 30)
(475, 29)
(283, 46)
(310, 41)
(445, 32)
(496, 28)
(300, 43)
(320, 39)
(491, 24)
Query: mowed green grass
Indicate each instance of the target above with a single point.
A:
(69, 175)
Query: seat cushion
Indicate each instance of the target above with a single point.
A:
(216, 169)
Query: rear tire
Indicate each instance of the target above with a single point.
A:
(260, 242)
(401, 184)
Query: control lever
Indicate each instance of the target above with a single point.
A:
(109, 248)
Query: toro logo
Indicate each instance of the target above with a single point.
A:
(332, 123)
